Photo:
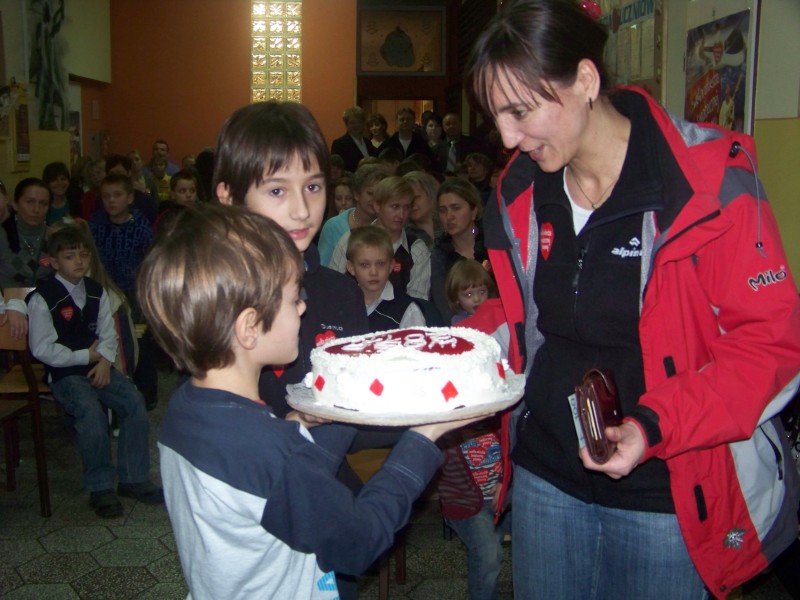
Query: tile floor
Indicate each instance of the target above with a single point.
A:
(73, 554)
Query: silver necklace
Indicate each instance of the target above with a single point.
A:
(601, 199)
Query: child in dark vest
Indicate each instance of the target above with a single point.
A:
(72, 332)
(371, 260)
(412, 268)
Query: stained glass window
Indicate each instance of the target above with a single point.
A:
(276, 50)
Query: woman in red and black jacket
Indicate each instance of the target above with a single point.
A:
(623, 238)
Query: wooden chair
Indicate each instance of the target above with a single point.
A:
(20, 388)
(366, 463)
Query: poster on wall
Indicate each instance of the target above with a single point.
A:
(46, 72)
(720, 71)
(20, 129)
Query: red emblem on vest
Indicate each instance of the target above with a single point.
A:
(397, 267)
(67, 313)
(546, 236)
(44, 261)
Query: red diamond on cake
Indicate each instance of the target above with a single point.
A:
(319, 383)
(501, 370)
(376, 388)
(449, 391)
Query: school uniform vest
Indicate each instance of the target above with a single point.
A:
(389, 313)
(76, 328)
(403, 263)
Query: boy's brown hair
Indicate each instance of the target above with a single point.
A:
(68, 237)
(370, 236)
(182, 175)
(463, 275)
(118, 179)
(205, 268)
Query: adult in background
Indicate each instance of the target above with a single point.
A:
(455, 146)
(406, 138)
(460, 211)
(625, 239)
(353, 145)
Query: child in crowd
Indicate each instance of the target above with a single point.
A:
(253, 500)
(158, 168)
(56, 176)
(391, 158)
(412, 269)
(343, 197)
(365, 179)
(122, 234)
(467, 286)
(337, 167)
(95, 171)
(183, 193)
(470, 479)
(72, 333)
(370, 260)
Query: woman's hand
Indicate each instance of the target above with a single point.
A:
(628, 453)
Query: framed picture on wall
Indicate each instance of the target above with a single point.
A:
(721, 50)
(401, 41)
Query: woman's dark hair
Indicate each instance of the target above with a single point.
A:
(53, 170)
(379, 119)
(535, 43)
(30, 182)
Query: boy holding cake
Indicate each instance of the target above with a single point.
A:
(253, 500)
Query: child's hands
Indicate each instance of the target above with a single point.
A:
(94, 355)
(434, 431)
(306, 420)
(100, 374)
(18, 324)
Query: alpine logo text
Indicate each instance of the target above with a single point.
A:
(634, 249)
(767, 278)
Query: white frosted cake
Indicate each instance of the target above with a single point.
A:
(408, 371)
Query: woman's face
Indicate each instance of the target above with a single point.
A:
(377, 130)
(549, 132)
(434, 130)
(343, 197)
(476, 171)
(421, 206)
(455, 213)
(32, 205)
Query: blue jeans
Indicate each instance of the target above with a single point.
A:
(86, 405)
(563, 548)
(484, 542)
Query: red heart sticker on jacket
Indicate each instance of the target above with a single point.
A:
(324, 337)
(546, 235)
(44, 261)
(278, 370)
(67, 313)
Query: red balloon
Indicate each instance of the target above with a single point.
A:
(592, 8)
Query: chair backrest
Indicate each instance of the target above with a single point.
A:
(9, 343)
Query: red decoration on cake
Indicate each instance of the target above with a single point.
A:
(449, 391)
(501, 370)
(422, 341)
(324, 337)
(376, 388)
(319, 383)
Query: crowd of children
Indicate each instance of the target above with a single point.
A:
(73, 249)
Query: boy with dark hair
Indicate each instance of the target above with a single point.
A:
(72, 333)
(370, 260)
(122, 234)
(272, 158)
(183, 193)
(253, 500)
